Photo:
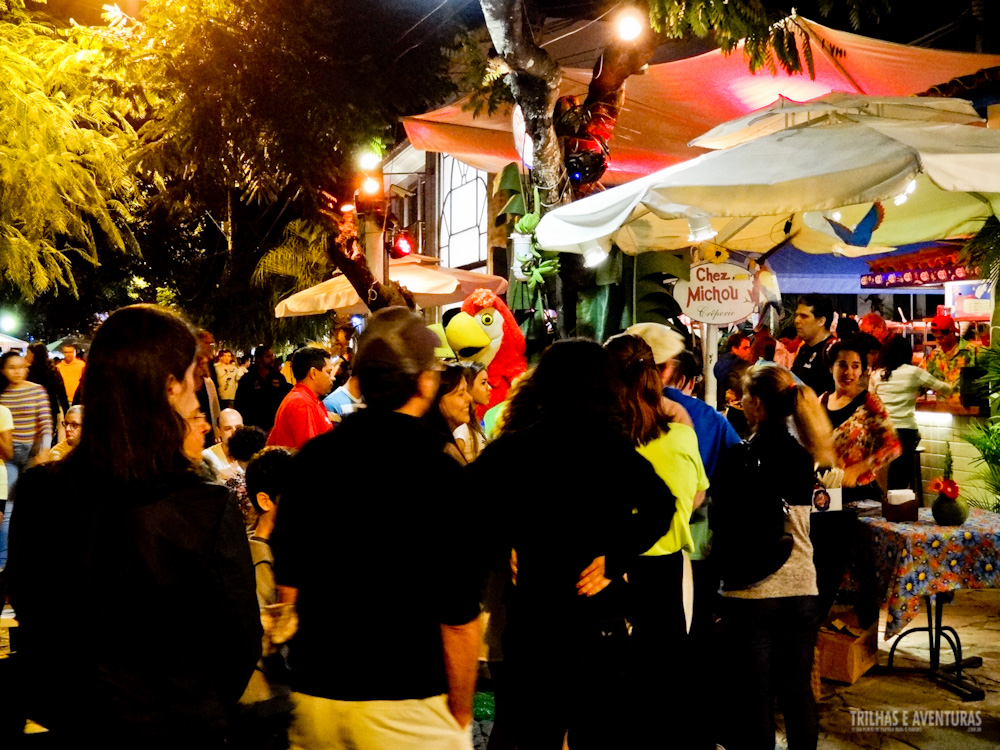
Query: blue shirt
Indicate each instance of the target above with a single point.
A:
(715, 434)
(341, 403)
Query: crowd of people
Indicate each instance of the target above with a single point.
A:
(213, 580)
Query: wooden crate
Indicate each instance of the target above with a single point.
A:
(843, 657)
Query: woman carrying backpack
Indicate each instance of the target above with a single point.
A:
(762, 499)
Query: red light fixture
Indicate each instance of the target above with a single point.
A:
(401, 245)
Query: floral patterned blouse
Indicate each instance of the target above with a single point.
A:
(866, 433)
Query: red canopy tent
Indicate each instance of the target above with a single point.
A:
(674, 102)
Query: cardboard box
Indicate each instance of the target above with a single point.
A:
(844, 657)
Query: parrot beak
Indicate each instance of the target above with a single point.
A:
(443, 351)
(466, 336)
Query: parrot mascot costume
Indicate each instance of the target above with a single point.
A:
(485, 331)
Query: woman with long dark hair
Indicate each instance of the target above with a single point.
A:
(863, 433)
(769, 586)
(897, 384)
(566, 640)
(130, 574)
(471, 437)
(42, 371)
(451, 408)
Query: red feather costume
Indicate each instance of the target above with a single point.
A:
(503, 353)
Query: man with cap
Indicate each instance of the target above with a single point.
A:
(952, 353)
(385, 580)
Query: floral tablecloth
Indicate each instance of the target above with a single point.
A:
(919, 558)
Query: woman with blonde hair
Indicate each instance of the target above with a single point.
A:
(762, 497)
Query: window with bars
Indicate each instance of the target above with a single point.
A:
(464, 222)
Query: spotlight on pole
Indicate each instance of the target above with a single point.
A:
(630, 24)
(371, 186)
(368, 160)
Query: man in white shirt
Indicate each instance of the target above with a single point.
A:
(218, 455)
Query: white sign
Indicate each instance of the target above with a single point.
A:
(718, 293)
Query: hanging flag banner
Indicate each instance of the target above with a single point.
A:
(718, 293)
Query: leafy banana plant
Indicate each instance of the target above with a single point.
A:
(532, 268)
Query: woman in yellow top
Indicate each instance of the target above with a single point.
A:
(659, 622)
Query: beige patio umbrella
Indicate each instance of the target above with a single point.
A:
(780, 186)
(786, 113)
(429, 283)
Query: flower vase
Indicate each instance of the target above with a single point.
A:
(949, 511)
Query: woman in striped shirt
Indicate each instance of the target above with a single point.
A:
(29, 405)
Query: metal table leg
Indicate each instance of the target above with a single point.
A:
(950, 676)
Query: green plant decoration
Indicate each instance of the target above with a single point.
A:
(948, 508)
(985, 438)
(536, 265)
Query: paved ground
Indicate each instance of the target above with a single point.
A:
(976, 617)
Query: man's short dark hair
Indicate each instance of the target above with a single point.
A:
(306, 358)
(245, 441)
(394, 349)
(685, 369)
(822, 307)
(734, 341)
(267, 472)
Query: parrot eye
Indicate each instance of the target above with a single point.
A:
(487, 319)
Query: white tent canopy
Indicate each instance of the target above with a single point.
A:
(7, 343)
(769, 184)
(430, 285)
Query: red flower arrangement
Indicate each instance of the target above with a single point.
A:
(948, 509)
(942, 486)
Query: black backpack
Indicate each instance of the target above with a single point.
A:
(750, 519)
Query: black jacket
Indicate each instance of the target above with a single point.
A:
(138, 616)
(562, 495)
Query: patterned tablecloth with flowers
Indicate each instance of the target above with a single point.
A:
(919, 558)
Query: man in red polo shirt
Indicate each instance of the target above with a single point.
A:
(301, 415)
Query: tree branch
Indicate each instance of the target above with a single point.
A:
(347, 254)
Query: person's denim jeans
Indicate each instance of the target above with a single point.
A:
(770, 646)
(22, 452)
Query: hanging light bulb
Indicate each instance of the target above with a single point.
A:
(911, 188)
(593, 254)
(701, 229)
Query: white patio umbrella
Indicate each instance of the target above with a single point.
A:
(760, 191)
(7, 343)
(429, 283)
(837, 105)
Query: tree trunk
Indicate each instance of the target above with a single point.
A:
(348, 256)
(534, 82)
